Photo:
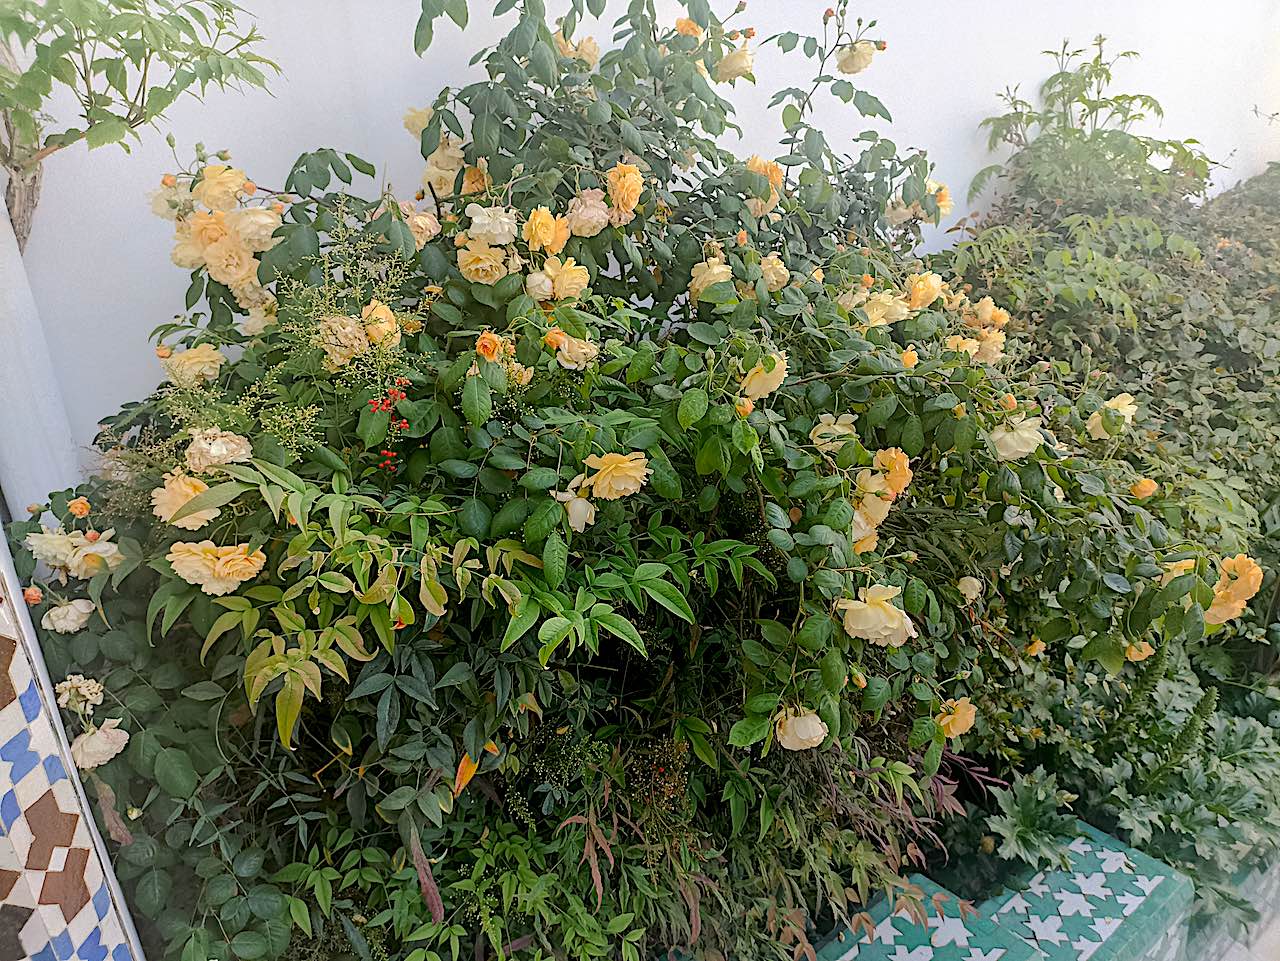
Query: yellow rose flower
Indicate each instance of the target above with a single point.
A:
(688, 28)
(195, 366)
(568, 279)
(707, 273)
(207, 227)
(941, 196)
(896, 466)
(211, 447)
(380, 324)
(540, 229)
(855, 57)
(177, 490)
(760, 381)
(341, 338)
(215, 570)
(1122, 404)
(572, 353)
(1239, 579)
(799, 729)
(970, 588)
(476, 179)
(957, 717)
(737, 64)
(230, 262)
(923, 289)
(582, 513)
(1143, 488)
(417, 120)
(482, 264)
(1173, 568)
(910, 357)
(220, 186)
(617, 475)
(768, 169)
(1018, 438)
(831, 433)
(872, 618)
(775, 273)
(1035, 648)
(884, 308)
(92, 553)
(625, 186)
(79, 507)
(489, 346)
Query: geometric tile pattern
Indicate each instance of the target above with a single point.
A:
(57, 901)
(950, 933)
(1112, 904)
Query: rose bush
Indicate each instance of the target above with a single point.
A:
(609, 551)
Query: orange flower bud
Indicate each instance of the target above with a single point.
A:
(744, 406)
(868, 280)
(249, 187)
(79, 507)
(92, 536)
(1009, 402)
(168, 180)
(32, 595)
(741, 238)
(164, 352)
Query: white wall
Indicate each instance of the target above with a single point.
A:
(98, 261)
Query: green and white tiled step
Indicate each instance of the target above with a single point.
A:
(1112, 904)
(949, 934)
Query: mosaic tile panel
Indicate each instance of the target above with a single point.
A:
(1113, 904)
(57, 899)
(949, 934)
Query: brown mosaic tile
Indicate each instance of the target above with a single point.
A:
(7, 648)
(66, 888)
(51, 828)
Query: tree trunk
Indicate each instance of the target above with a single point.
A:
(21, 197)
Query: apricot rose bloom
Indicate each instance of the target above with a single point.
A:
(957, 716)
(178, 488)
(625, 186)
(1122, 404)
(872, 618)
(1239, 579)
(831, 433)
(923, 289)
(194, 366)
(341, 338)
(489, 346)
(380, 324)
(617, 475)
(215, 570)
(79, 507)
(255, 226)
(760, 381)
(211, 447)
(481, 264)
(885, 308)
(572, 353)
(220, 186)
(800, 729)
(910, 357)
(688, 28)
(540, 229)
(896, 466)
(1143, 488)
(1139, 651)
(230, 262)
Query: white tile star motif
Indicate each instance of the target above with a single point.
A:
(948, 930)
(1113, 862)
(1130, 902)
(1084, 949)
(1037, 886)
(1080, 845)
(1047, 929)
(1016, 903)
(1071, 903)
(1105, 927)
(922, 953)
(977, 954)
(1092, 884)
(1147, 884)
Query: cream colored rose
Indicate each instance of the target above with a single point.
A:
(492, 225)
(215, 570)
(587, 213)
(831, 433)
(177, 490)
(569, 279)
(885, 308)
(93, 553)
(772, 172)
(79, 693)
(260, 318)
(171, 201)
(957, 717)
(482, 264)
(1122, 404)
(442, 167)
(855, 57)
(582, 513)
(775, 272)
(572, 353)
(736, 65)
(1017, 438)
(762, 380)
(69, 617)
(800, 729)
(187, 252)
(923, 289)
(707, 273)
(251, 294)
(341, 338)
(230, 262)
(220, 186)
(99, 745)
(254, 226)
(211, 447)
(758, 207)
(873, 618)
(418, 119)
(626, 183)
(53, 546)
(990, 347)
(539, 286)
(380, 324)
(195, 366)
(970, 588)
(617, 475)
(987, 314)
(207, 227)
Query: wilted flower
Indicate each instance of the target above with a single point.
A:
(69, 617)
(99, 745)
(800, 729)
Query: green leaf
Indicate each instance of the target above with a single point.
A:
(748, 731)
(693, 406)
(555, 559)
(175, 773)
(525, 617)
(112, 130)
(477, 403)
(216, 496)
(669, 597)
(619, 626)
